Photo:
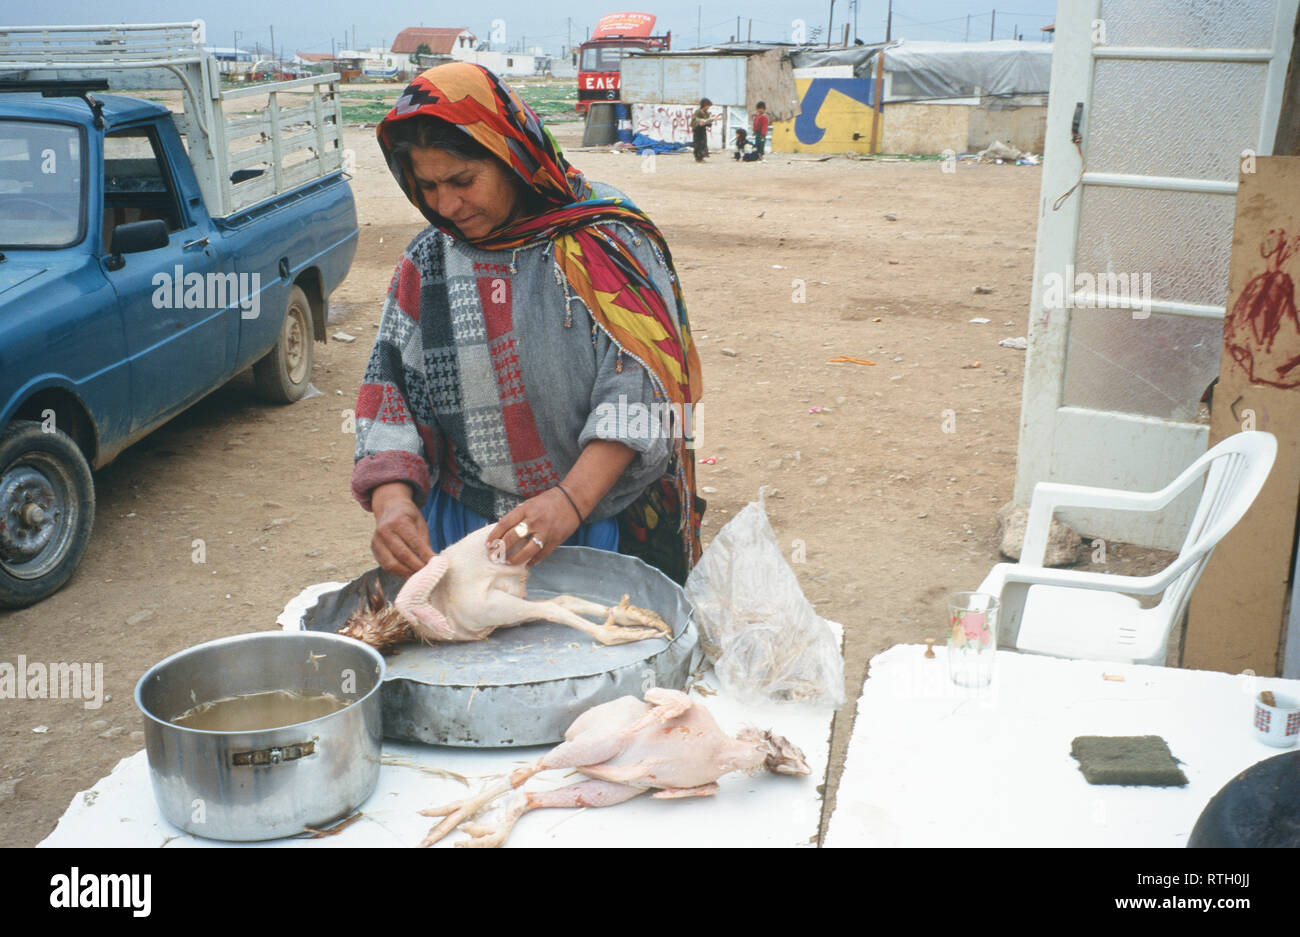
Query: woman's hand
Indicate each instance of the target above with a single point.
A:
(550, 519)
(401, 539)
(550, 516)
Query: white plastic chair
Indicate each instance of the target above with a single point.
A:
(1069, 613)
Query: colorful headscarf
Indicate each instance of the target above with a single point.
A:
(600, 270)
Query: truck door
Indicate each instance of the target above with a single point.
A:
(180, 304)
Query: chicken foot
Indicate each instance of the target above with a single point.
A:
(623, 623)
(589, 793)
(459, 811)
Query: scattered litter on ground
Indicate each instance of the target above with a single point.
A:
(1020, 344)
(979, 320)
(1000, 152)
(981, 290)
(848, 359)
(970, 367)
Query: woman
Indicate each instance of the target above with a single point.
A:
(524, 333)
(700, 124)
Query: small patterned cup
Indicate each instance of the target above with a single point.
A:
(1278, 723)
(972, 638)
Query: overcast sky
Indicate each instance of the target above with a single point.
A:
(546, 24)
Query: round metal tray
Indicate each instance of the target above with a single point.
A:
(526, 684)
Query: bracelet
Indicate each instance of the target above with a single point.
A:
(581, 519)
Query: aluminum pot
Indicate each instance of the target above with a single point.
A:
(269, 783)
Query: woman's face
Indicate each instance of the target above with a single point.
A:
(476, 195)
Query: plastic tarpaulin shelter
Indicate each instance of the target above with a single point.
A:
(861, 58)
(948, 69)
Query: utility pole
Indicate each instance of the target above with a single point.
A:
(354, 37)
(993, 23)
(967, 39)
(750, 38)
(699, 16)
(570, 45)
(889, 22)
(272, 42)
(830, 26)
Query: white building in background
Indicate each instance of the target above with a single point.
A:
(233, 62)
(458, 43)
(506, 64)
(461, 45)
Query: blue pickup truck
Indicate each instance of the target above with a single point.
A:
(124, 299)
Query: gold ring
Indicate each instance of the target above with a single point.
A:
(521, 529)
(540, 545)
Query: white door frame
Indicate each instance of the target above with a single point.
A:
(1075, 444)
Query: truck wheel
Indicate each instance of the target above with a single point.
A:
(283, 374)
(47, 508)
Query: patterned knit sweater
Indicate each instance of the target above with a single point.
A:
(488, 378)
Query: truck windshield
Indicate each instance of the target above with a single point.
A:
(604, 58)
(42, 202)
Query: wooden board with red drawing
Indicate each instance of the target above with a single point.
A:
(1262, 331)
(1237, 611)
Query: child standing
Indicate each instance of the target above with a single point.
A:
(761, 125)
(700, 123)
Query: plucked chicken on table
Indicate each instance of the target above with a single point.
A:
(465, 593)
(668, 744)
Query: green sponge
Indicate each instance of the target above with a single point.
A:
(1143, 760)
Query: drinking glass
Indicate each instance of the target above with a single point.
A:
(972, 638)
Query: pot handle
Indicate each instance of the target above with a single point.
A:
(273, 756)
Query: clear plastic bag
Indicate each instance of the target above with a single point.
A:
(764, 638)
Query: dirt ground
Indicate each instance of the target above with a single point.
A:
(893, 511)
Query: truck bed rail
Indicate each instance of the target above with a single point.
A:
(292, 136)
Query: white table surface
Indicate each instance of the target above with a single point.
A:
(764, 810)
(932, 764)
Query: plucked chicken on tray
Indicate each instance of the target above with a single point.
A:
(521, 685)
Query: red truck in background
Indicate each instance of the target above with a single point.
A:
(600, 58)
